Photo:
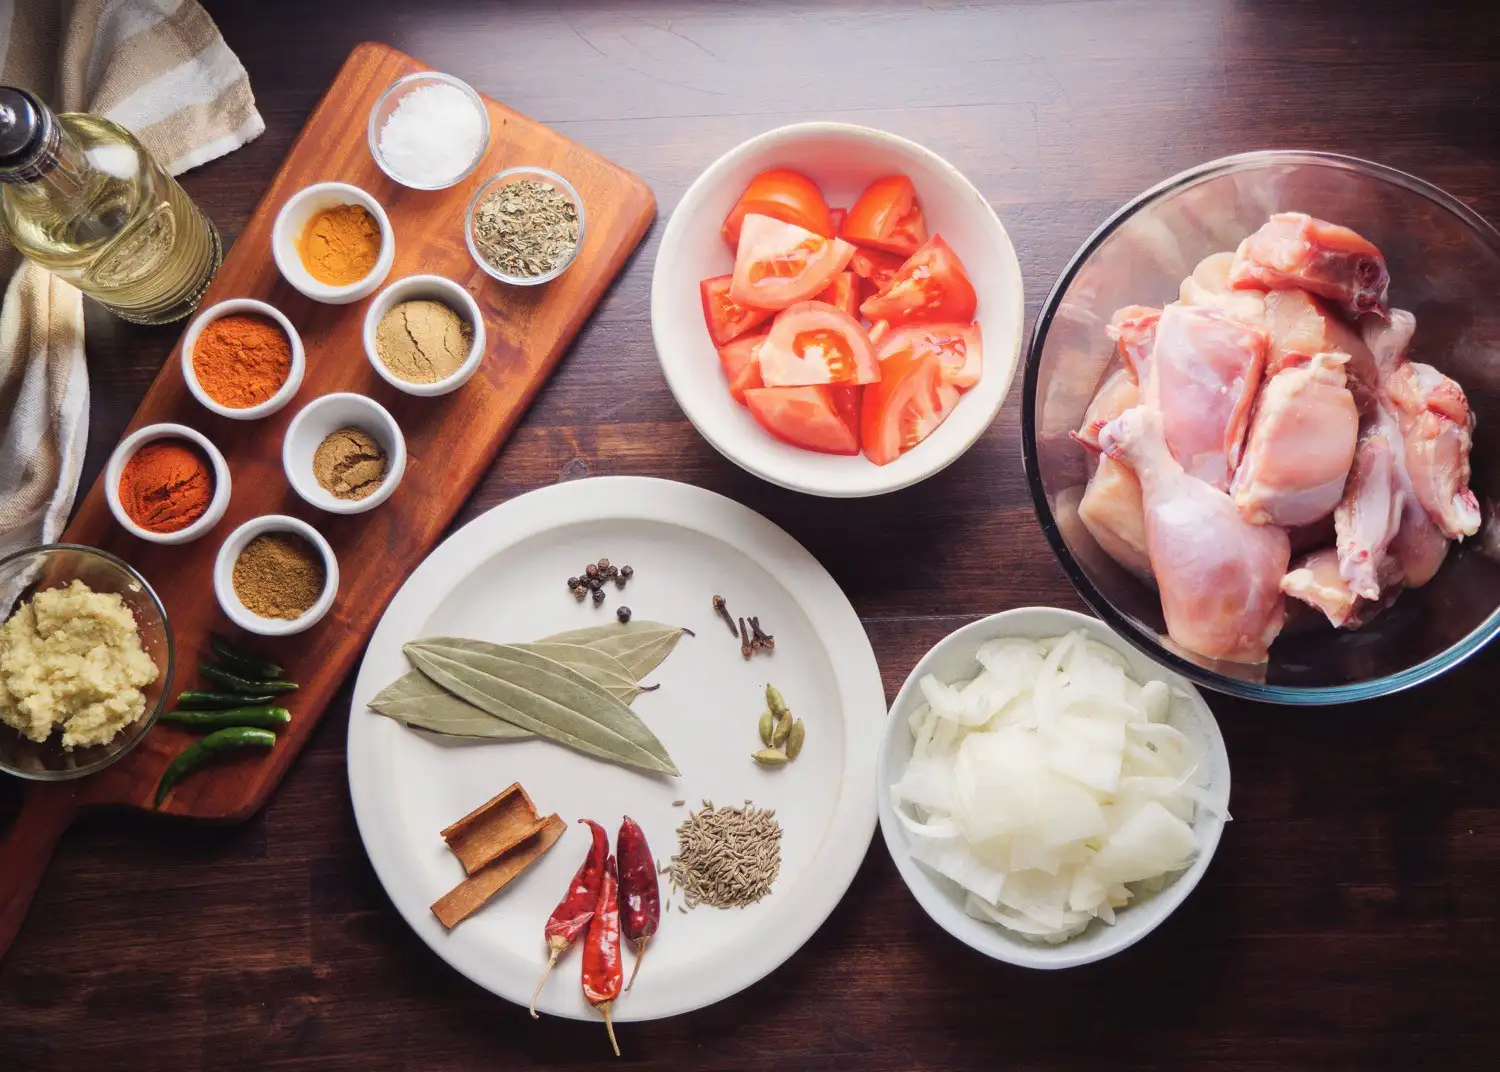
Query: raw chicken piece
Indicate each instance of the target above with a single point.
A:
(1300, 446)
(1112, 511)
(1388, 339)
(1294, 250)
(1205, 371)
(1438, 428)
(1369, 514)
(1419, 547)
(1209, 286)
(1219, 576)
(1134, 329)
(1116, 394)
(1315, 580)
(1302, 325)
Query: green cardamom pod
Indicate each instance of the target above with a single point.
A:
(767, 724)
(794, 739)
(776, 703)
(783, 727)
(770, 757)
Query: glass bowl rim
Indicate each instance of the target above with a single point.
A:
(511, 174)
(166, 690)
(1297, 695)
(372, 133)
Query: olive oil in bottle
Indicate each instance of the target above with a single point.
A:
(82, 197)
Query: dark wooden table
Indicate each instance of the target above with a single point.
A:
(1350, 917)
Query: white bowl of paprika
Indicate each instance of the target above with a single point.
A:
(167, 483)
(243, 359)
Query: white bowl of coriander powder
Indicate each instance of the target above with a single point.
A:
(344, 453)
(424, 335)
(275, 575)
(525, 226)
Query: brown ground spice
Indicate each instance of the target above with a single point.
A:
(279, 575)
(349, 464)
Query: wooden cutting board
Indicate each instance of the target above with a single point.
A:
(450, 440)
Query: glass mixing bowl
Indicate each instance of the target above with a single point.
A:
(1445, 267)
(25, 573)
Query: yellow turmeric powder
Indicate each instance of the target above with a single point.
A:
(339, 244)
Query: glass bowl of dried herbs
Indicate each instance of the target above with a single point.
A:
(525, 226)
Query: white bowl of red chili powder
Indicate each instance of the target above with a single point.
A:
(167, 483)
(243, 359)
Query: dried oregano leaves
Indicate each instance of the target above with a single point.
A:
(525, 227)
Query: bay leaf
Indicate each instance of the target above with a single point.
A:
(415, 700)
(600, 667)
(546, 697)
(640, 645)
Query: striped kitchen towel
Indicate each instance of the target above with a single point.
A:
(159, 68)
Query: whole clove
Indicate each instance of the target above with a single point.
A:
(721, 608)
(745, 649)
(766, 640)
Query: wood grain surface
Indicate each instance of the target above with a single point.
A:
(1350, 918)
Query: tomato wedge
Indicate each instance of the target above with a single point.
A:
(931, 287)
(726, 318)
(843, 293)
(782, 194)
(957, 346)
(742, 365)
(875, 267)
(805, 417)
(780, 264)
(847, 398)
(887, 216)
(812, 342)
(905, 406)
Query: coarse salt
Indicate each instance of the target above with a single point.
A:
(433, 134)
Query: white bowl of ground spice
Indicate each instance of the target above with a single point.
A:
(167, 483)
(275, 575)
(344, 453)
(424, 335)
(333, 242)
(242, 359)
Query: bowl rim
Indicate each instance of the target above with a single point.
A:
(151, 433)
(881, 481)
(146, 721)
(305, 484)
(229, 552)
(284, 246)
(463, 303)
(372, 133)
(511, 174)
(1164, 903)
(229, 307)
(1295, 695)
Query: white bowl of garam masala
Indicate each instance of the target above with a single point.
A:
(333, 242)
(344, 453)
(424, 335)
(242, 359)
(275, 575)
(167, 483)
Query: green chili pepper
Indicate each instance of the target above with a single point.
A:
(199, 700)
(263, 716)
(237, 661)
(215, 744)
(234, 683)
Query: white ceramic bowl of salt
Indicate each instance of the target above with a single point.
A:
(421, 135)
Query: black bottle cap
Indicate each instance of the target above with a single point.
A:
(23, 127)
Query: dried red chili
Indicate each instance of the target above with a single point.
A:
(640, 892)
(602, 969)
(574, 911)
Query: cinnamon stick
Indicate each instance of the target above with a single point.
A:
(470, 895)
(493, 829)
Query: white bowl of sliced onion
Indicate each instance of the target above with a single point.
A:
(1048, 793)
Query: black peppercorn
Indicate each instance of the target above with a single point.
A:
(595, 583)
(603, 564)
(613, 571)
(591, 571)
(572, 582)
(627, 572)
(623, 614)
(620, 583)
(579, 591)
(598, 596)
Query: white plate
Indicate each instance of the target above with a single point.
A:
(843, 160)
(502, 578)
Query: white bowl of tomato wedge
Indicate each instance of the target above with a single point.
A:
(837, 309)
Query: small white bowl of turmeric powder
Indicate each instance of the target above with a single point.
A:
(333, 242)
